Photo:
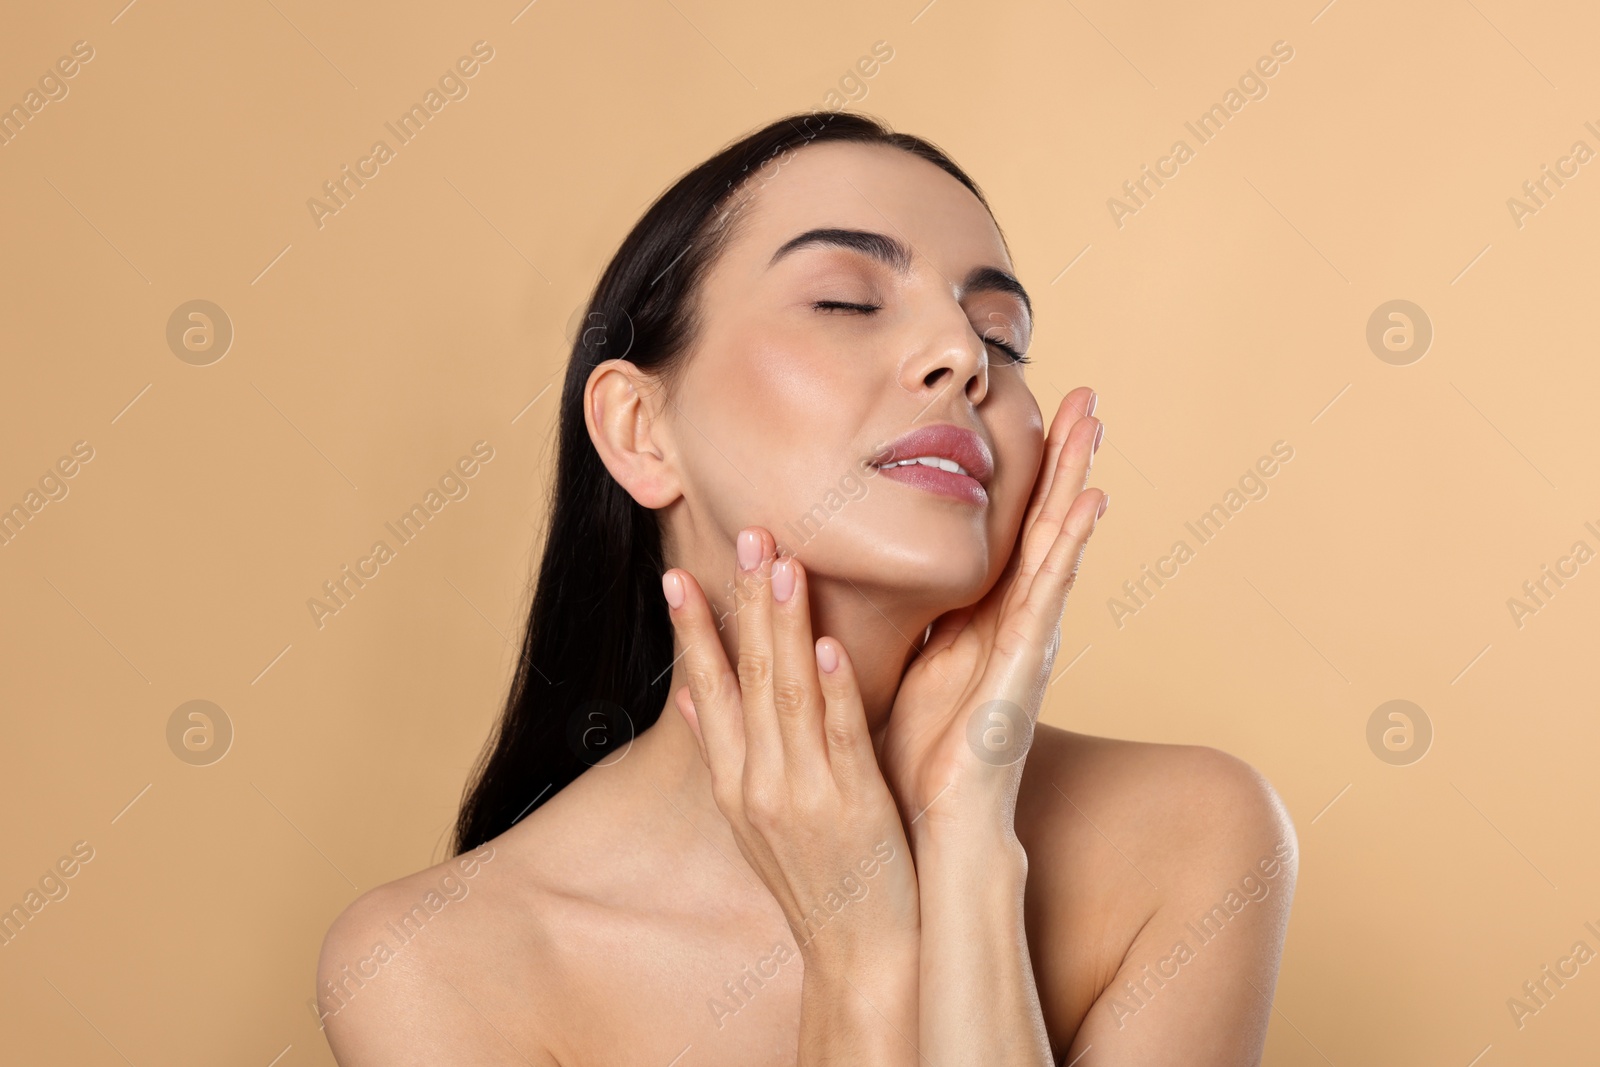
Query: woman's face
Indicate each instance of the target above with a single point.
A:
(784, 409)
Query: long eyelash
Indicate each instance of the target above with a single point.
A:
(834, 305)
(1016, 357)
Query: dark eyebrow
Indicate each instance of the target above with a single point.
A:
(879, 246)
(995, 280)
(897, 254)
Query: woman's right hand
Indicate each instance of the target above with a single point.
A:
(794, 772)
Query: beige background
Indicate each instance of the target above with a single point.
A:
(1229, 313)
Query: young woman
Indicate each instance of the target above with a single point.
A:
(768, 788)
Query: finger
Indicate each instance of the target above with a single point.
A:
(849, 745)
(946, 627)
(712, 684)
(797, 698)
(763, 745)
(1070, 476)
(1076, 405)
(1070, 469)
(684, 702)
(1059, 570)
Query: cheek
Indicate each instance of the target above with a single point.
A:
(1019, 447)
(788, 410)
(768, 432)
(803, 445)
(788, 384)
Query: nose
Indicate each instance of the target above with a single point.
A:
(953, 356)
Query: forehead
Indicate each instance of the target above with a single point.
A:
(866, 187)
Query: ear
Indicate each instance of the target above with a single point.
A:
(621, 405)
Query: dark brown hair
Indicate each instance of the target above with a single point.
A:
(597, 652)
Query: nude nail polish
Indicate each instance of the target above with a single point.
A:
(749, 550)
(782, 580)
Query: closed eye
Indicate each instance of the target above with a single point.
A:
(844, 305)
(1009, 350)
(832, 305)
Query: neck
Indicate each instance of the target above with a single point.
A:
(878, 629)
(665, 760)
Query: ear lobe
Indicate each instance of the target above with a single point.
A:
(620, 411)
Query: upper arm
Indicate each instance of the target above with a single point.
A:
(1196, 985)
(387, 1002)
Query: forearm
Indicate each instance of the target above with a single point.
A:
(979, 1003)
(860, 1007)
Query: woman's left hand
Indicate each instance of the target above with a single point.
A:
(952, 747)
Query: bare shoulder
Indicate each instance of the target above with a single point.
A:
(1170, 800)
(1129, 845)
(432, 969)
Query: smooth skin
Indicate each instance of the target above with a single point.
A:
(794, 772)
(719, 895)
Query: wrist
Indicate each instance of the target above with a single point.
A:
(849, 1024)
(860, 989)
(833, 955)
(976, 841)
(978, 865)
(974, 803)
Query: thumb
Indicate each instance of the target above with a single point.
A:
(946, 627)
(685, 705)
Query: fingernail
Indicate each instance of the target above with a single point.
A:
(1094, 398)
(1099, 432)
(782, 580)
(827, 657)
(749, 550)
(672, 588)
(1105, 501)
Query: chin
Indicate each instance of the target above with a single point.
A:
(944, 565)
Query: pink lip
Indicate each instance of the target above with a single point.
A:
(943, 441)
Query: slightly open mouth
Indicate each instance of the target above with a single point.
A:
(938, 462)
